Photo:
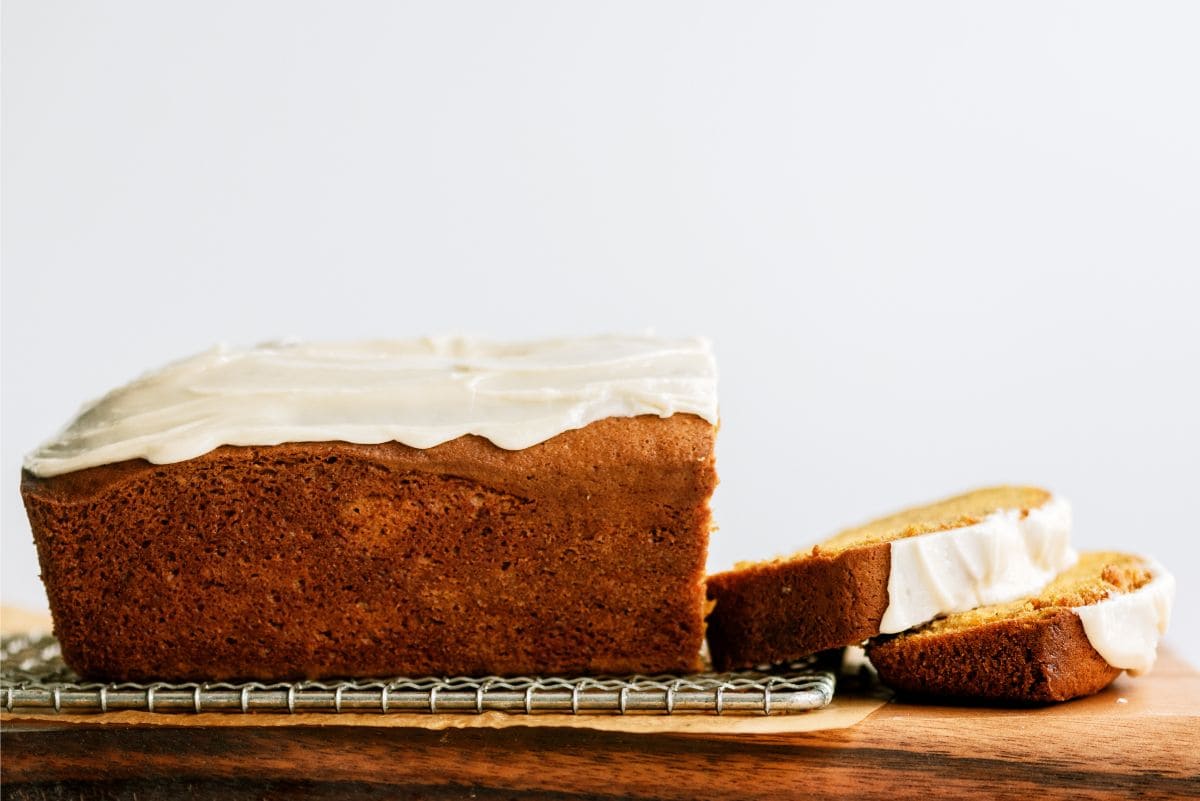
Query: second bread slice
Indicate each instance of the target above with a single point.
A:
(891, 574)
(1100, 617)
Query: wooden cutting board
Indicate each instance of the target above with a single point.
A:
(1138, 739)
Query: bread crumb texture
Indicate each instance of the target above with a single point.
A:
(1096, 576)
(956, 512)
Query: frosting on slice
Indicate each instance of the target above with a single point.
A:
(1125, 628)
(1001, 558)
(418, 392)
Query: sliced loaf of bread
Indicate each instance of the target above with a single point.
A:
(889, 575)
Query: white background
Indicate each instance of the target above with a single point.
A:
(937, 244)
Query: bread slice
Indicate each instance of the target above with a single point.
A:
(889, 575)
(1073, 638)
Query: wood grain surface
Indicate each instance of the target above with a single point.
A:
(1138, 739)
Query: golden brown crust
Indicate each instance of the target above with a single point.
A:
(779, 611)
(584, 553)
(1032, 660)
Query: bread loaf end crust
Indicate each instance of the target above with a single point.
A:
(1039, 660)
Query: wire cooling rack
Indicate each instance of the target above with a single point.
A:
(33, 677)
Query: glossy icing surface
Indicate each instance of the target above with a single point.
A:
(418, 392)
(1003, 557)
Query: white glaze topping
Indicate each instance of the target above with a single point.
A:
(1002, 557)
(418, 392)
(1125, 628)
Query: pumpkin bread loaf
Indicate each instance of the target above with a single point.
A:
(549, 513)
